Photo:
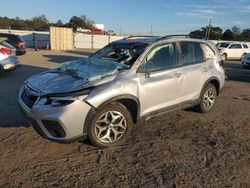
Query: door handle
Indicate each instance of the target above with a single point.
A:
(147, 75)
(178, 75)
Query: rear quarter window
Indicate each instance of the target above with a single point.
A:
(192, 53)
(208, 52)
(245, 46)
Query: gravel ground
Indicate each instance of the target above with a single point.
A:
(180, 149)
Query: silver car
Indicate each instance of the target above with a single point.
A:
(102, 97)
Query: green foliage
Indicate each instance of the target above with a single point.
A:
(81, 21)
(228, 35)
(216, 33)
(41, 23)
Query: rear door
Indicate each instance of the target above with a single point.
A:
(194, 68)
(235, 51)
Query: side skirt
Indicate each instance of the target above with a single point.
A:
(160, 112)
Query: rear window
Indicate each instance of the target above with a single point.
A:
(222, 45)
(245, 46)
(191, 53)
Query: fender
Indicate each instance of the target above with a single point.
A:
(118, 98)
(208, 81)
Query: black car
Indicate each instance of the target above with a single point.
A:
(15, 41)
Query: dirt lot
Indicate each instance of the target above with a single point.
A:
(181, 149)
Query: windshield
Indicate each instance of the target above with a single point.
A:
(91, 68)
(222, 45)
(125, 54)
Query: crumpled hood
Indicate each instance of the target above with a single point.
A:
(51, 82)
(88, 73)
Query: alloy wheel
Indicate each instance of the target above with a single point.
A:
(110, 126)
(209, 98)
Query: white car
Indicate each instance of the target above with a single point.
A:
(8, 60)
(246, 60)
(233, 50)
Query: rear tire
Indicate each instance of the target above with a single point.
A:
(242, 57)
(207, 98)
(1, 71)
(110, 126)
(246, 67)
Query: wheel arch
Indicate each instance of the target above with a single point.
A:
(215, 81)
(131, 102)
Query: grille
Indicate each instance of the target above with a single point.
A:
(28, 98)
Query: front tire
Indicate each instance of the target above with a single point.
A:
(110, 125)
(207, 98)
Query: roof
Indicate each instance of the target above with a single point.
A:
(150, 39)
(138, 39)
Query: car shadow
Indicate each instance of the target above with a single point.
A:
(83, 53)
(236, 72)
(73, 55)
(10, 83)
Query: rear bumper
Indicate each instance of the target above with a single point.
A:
(246, 63)
(10, 63)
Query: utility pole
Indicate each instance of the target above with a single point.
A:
(120, 31)
(151, 29)
(209, 29)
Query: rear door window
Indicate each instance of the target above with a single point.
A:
(191, 53)
(235, 46)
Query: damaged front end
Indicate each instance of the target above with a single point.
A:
(54, 101)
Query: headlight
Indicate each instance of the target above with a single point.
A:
(59, 101)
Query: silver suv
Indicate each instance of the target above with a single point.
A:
(102, 97)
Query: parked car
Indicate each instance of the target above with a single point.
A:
(8, 60)
(7, 46)
(232, 50)
(246, 60)
(103, 96)
(16, 41)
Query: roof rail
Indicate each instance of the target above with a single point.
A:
(140, 36)
(180, 35)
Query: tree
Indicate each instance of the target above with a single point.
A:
(197, 33)
(59, 23)
(82, 22)
(215, 33)
(40, 23)
(245, 35)
(228, 35)
(236, 31)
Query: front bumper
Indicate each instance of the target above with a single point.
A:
(246, 63)
(61, 123)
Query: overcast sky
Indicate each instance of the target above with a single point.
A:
(137, 16)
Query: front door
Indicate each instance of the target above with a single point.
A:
(160, 79)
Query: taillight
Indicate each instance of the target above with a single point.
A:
(5, 51)
(20, 43)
